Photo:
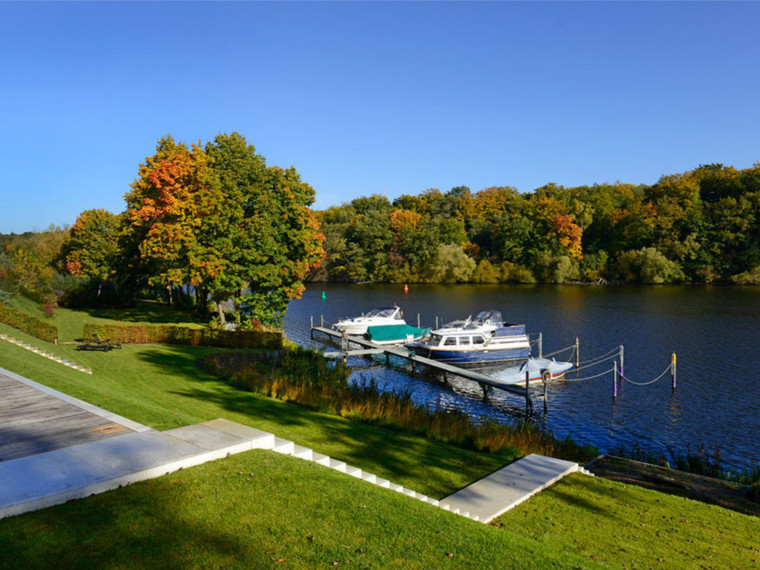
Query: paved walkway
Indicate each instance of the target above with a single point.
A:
(41, 476)
(508, 487)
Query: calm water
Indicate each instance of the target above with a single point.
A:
(713, 331)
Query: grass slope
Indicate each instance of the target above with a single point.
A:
(220, 515)
(627, 526)
(161, 387)
(262, 510)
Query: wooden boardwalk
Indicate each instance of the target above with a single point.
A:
(34, 421)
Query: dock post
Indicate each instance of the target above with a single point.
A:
(673, 371)
(418, 320)
(322, 321)
(527, 393)
(546, 397)
(622, 360)
(436, 322)
(311, 326)
(577, 353)
(614, 383)
(540, 345)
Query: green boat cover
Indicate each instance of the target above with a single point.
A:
(388, 333)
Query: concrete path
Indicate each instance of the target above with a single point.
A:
(508, 487)
(41, 480)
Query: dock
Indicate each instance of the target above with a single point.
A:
(369, 347)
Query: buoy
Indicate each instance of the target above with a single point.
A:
(406, 288)
(323, 295)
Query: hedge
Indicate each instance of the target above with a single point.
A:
(174, 334)
(28, 324)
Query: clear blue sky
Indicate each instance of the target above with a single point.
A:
(363, 98)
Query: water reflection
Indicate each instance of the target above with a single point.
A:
(712, 329)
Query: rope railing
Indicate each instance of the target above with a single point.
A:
(598, 361)
(668, 369)
(556, 352)
(599, 375)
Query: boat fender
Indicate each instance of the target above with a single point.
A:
(546, 376)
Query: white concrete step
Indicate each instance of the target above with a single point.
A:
(508, 487)
(283, 446)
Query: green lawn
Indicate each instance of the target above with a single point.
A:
(161, 387)
(262, 510)
(219, 514)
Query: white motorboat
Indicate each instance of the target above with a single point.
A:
(376, 317)
(484, 339)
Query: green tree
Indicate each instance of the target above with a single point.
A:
(92, 248)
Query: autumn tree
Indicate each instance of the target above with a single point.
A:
(92, 248)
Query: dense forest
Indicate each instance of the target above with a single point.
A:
(702, 226)
(217, 230)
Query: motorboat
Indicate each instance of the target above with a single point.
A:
(486, 320)
(537, 370)
(485, 341)
(395, 334)
(376, 317)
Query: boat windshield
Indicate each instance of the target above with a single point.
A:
(385, 312)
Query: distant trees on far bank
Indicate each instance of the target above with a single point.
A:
(701, 226)
(214, 228)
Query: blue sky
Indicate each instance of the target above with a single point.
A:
(365, 97)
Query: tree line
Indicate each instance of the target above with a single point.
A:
(214, 228)
(700, 226)
(211, 227)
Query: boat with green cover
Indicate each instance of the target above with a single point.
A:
(395, 334)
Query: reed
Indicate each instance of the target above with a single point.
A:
(306, 378)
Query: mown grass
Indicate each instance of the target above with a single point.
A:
(160, 386)
(629, 527)
(70, 322)
(262, 510)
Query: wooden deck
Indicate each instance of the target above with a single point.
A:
(32, 421)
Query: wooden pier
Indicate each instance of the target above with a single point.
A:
(400, 352)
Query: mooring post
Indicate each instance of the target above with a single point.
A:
(540, 345)
(311, 327)
(546, 397)
(527, 393)
(577, 353)
(436, 321)
(673, 371)
(614, 382)
(322, 321)
(622, 360)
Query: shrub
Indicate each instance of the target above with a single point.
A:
(747, 278)
(28, 324)
(175, 334)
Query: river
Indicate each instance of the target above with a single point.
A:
(712, 330)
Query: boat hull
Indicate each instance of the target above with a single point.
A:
(477, 356)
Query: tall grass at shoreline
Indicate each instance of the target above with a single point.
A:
(307, 379)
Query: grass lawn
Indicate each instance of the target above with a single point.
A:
(303, 515)
(160, 386)
(262, 510)
(628, 527)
